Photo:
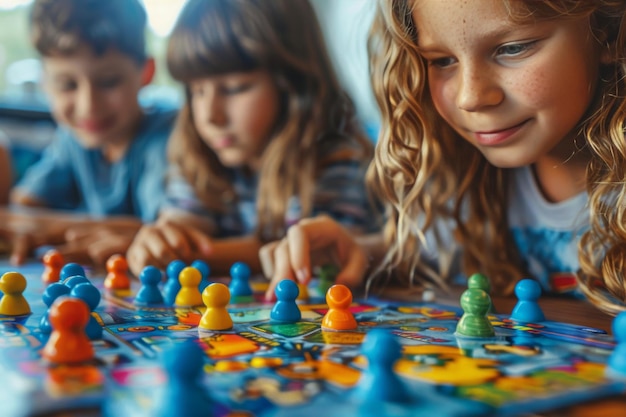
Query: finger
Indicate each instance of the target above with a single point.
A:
(299, 252)
(200, 240)
(282, 269)
(176, 240)
(354, 268)
(74, 234)
(21, 248)
(266, 256)
(102, 249)
(74, 253)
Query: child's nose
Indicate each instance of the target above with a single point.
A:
(477, 88)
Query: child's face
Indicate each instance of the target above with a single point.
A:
(95, 96)
(514, 91)
(235, 114)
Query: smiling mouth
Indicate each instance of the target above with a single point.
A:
(497, 137)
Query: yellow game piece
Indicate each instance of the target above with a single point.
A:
(189, 294)
(13, 303)
(216, 317)
(303, 295)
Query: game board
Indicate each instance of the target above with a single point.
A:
(265, 369)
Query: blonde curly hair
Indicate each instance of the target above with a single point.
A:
(421, 165)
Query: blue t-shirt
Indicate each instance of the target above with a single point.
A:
(71, 177)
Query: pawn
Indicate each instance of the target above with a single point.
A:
(474, 322)
(205, 271)
(117, 273)
(185, 394)
(303, 292)
(91, 296)
(527, 309)
(13, 302)
(286, 310)
(50, 294)
(481, 282)
(239, 286)
(339, 316)
(189, 294)
(379, 383)
(172, 285)
(68, 342)
(74, 280)
(71, 269)
(617, 360)
(149, 293)
(53, 261)
(216, 317)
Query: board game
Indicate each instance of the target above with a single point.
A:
(263, 368)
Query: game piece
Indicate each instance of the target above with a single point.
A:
(13, 303)
(327, 275)
(481, 282)
(239, 287)
(149, 292)
(339, 316)
(205, 271)
(303, 292)
(51, 293)
(527, 309)
(617, 360)
(379, 382)
(172, 285)
(68, 342)
(91, 296)
(474, 322)
(117, 273)
(286, 310)
(184, 394)
(71, 269)
(53, 261)
(189, 295)
(216, 317)
(74, 280)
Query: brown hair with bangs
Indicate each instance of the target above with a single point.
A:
(421, 164)
(283, 37)
(62, 26)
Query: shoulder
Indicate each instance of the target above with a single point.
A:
(159, 118)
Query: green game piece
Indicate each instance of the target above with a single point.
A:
(327, 274)
(481, 282)
(474, 322)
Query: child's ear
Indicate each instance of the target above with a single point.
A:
(149, 67)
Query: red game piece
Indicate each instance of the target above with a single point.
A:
(68, 343)
(53, 261)
(117, 273)
(339, 316)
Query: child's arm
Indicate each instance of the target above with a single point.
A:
(314, 241)
(6, 174)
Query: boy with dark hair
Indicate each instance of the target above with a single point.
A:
(108, 159)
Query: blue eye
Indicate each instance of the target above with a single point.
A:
(514, 48)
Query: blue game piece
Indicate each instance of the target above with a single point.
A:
(379, 383)
(184, 394)
(74, 280)
(91, 296)
(149, 293)
(240, 290)
(172, 285)
(205, 271)
(527, 309)
(286, 309)
(71, 269)
(617, 360)
(51, 293)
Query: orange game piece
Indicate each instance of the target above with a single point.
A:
(68, 342)
(53, 261)
(189, 293)
(216, 317)
(117, 273)
(13, 303)
(339, 317)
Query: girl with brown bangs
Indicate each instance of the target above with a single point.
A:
(266, 136)
(501, 150)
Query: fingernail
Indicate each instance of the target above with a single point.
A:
(302, 275)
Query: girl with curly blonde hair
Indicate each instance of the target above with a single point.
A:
(502, 149)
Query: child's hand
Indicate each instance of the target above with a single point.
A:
(160, 243)
(96, 244)
(313, 241)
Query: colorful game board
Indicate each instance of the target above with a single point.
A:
(266, 369)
